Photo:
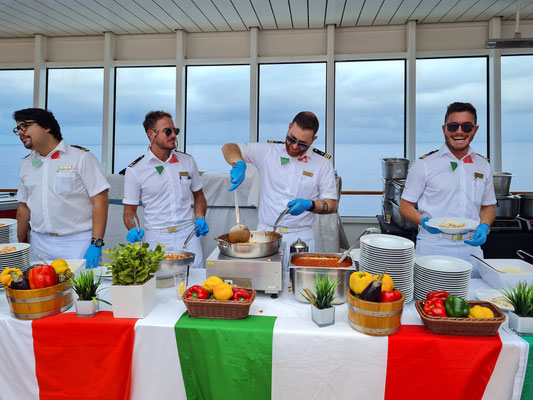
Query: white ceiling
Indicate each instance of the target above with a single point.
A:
(23, 18)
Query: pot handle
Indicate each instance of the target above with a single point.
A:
(521, 253)
(223, 243)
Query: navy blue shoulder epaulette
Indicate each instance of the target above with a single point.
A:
(428, 154)
(79, 147)
(321, 153)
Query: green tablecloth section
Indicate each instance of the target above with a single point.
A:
(240, 351)
(527, 390)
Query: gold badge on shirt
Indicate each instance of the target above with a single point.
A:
(478, 175)
(185, 175)
(65, 167)
(307, 173)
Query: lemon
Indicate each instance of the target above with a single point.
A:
(181, 288)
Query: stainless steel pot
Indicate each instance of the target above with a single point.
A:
(502, 183)
(262, 244)
(507, 206)
(388, 189)
(526, 205)
(170, 267)
(394, 168)
(398, 186)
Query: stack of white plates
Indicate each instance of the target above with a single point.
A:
(17, 258)
(442, 273)
(8, 230)
(392, 253)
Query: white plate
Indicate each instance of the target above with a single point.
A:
(444, 263)
(487, 294)
(470, 224)
(387, 242)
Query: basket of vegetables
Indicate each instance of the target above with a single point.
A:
(445, 314)
(217, 299)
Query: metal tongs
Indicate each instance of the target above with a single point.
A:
(365, 232)
(283, 213)
(189, 238)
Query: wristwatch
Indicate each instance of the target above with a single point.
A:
(312, 208)
(97, 242)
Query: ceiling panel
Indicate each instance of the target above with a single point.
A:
(230, 13)
(143, 12)
(246, 12)
(212, 14)
(334, 11)
(457, 10)
(317, 13)
(387, 11)
(180, 14)
(369, 12)
(299, 13)
(405, 11)
(282, 13)
(263, 11)
(352, 10)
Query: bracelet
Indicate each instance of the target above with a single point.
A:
(312, 206)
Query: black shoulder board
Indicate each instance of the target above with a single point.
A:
(428, 154)
(26, 156)
(321, 153)
(275, 141)
(123, 171)
(486, 158)
(79, 147)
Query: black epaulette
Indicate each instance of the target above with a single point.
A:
(322, 153)
(26, 156)
(486, 158)
(79, 147)
(428, 154)
(275, 141)
(123, 171)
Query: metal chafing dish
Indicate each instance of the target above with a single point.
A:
(261, 244)
(170, 267)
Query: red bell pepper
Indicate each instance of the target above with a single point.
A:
(42, 276)
(197, 292)
(435, 307)
(241, 295)
(389, 297)
(442, 294)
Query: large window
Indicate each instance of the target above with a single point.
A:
(284, 91)
(440, 82)
(369, 125)
(218, 112)
(17, 93)
(139, 91)
(517, 120)
(75, 96)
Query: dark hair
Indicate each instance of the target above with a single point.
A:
(306, 120)
(461, 107)
(152, 117)
(43, 118)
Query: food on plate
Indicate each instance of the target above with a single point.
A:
(62, 269)
(510, 270)
(42, 276)
(7, 249)
(435, 307)
(2, 224)
(451, 224)
(456, 307)
(175, 256)
(320, 261)
(479, 312)
(501, 301)
(359, 280)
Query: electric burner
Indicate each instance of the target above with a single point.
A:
(506, 224)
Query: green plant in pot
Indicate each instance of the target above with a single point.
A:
(86, 287)
(521, 297)
(132, 267)
(322, 310)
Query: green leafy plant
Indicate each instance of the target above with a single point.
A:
(521, 297)
(85, 285)
(133, 263)
(324, 292)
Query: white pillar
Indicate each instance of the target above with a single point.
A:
(254, 84)
(39, 71)
(108, 103)
(330, 90)
(181, 51)
(410, 92)
(495, 98)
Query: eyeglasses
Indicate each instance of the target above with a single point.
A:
(168, 131)
(465, 126)
(23, 127)
(301, 145)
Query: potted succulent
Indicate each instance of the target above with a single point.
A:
(322, 310)
(521, 297)
(86, 287)
(132, 268)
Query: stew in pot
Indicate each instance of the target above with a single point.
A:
(325, 262)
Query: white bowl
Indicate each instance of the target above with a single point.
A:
(502, 280)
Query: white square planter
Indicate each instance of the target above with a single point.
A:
(86, 308)
(520, 324)
(133, 301)
(324, 317)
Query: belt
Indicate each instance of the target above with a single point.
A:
(171, 228)
(51, 233)
(281, 229)
(449, 236)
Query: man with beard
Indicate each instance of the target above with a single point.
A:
(163, 180)
(62, 192)
(293, 174)
(453, 181)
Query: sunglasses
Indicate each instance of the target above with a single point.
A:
(465, 126)
(301, 145)
(168, 131)
(23, 127)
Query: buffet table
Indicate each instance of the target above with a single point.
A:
(307, 362)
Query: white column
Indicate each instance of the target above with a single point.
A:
(330, 90)
(39, 71)
(179, 119)
(495, 98)
(254, 83)
(108, 104)
(410, 92)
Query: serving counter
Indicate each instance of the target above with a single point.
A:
(278, 353)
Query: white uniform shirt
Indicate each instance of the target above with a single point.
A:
(166, 196)
(441, 191)
(58, 189)
(283, 181)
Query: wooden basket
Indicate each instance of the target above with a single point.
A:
(39, 303)
(374, 319)
(220, 309)
(462, 326)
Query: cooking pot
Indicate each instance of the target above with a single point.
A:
(261, 244)
(502, 183)
(394, 168)
(507, 206)
(526, 205)
(170, 267)
(388, 189)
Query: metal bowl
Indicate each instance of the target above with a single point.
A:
(394, 168)
(170, 267)
(262, 244)
(502, 183)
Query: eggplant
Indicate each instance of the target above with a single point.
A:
(20, 282)
(373, 291)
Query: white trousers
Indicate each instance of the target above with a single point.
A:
(68, 247)
(427, 245)
(174, 242)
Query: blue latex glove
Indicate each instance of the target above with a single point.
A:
(429, 228)
(298, 206)
(203, 227)
(92, 256)
(480, 236)
(134, 236)
(237, 174)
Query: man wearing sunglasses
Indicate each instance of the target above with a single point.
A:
(453, 181)
(62, 192)
(293, 174)
(163, 179)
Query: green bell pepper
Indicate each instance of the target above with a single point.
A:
(456, 307)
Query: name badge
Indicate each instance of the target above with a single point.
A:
(477, 175)
(184, 173)
(307, 173)
(65, 167)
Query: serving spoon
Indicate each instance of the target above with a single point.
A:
(365, 232)
(486, 263)
(239, 233)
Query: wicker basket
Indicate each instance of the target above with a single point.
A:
(463, 326)
(221, 309)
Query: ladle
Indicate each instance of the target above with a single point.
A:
(484, 262)
(365, 232)
(283, 213)
(239, 233)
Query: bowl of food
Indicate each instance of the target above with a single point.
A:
(505, 272)
(175, 262)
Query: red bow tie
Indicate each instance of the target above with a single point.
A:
(303, 159)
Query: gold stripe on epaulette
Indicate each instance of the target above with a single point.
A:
(79, 147)
(322, 153)
(428, 154)
(136, 161)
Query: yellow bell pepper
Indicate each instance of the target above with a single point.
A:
(479, 312)
(359, 280)
(7, 275)
(212, 282)
(386, 283)
(59, 265)
(223, 291)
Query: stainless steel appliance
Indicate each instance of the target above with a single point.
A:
(299, 247)
(394, 168)
(507, 206)
(502, 183)
(526, 206)
(261, 244)
(399, 185)
(526, 222)
(506, 224)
